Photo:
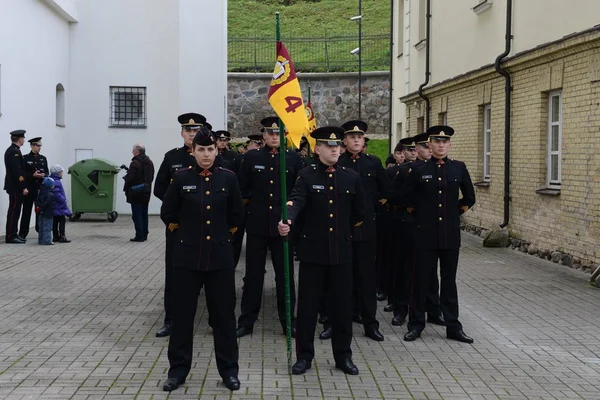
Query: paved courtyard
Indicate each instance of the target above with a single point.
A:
(77, 321)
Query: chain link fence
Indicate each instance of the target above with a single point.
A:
(311, 54)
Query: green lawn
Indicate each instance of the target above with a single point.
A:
(379, 148)
(326, 23)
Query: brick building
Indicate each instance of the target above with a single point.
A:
(553, 61)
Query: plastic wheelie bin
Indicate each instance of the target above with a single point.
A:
(94, 188)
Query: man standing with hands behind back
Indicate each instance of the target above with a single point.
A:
(35, 168)
(14, 184)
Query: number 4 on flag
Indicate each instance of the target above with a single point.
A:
(293, 103)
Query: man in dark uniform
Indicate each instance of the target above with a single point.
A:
(202, 207)
(261, 189)
(179, 157)
(223, 138)
(14, 184)
(332, 198)
(35, 168)
(406, 245)
(376, 185)
(431, 193)
(254, 143)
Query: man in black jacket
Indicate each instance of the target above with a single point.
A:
(14, 184)
(35, 168)
(138, 186)
(432, 193)
(260, 183)
(178, 158)
(332, 198)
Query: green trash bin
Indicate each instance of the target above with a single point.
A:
(94, 188)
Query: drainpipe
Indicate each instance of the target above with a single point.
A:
(427, 72)
(391, 74)
(507, 93)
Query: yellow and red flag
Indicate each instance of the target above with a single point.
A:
(286, 98)
(312, 123)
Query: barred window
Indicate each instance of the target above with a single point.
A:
(127, 107)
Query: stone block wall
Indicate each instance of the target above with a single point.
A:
(334, 97)
(566, 221)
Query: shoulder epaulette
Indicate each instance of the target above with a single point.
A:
(226, 170)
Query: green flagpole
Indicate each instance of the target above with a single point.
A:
(308, 155)
(286, 245)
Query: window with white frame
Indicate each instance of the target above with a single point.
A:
(487, 148)
(443, 118)
(554, 139)
(127, 107)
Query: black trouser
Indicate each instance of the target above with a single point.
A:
(58, 226)
(404, 276)
(28, 202)
(311, 281)
(426, 265)
(168, 296)
(220, 301)
(15, 201)
(256, 258)
(365, 282)
(139, 215)
(384, 238)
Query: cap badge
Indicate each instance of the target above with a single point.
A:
(332, 136)
(191, 121)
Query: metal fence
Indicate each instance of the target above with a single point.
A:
(311, 54)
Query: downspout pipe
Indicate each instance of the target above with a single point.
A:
(427, 72)
(391, 75)
(507, 111)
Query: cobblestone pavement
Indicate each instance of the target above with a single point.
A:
(78, 322)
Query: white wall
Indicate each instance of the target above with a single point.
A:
(34, 57)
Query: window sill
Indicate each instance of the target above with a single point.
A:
(61, 125)
(126, 127)
(421, 44)
(483, 184)
(548, 191)
(483, 6)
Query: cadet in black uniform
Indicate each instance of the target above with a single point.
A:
(14, 184)
(223, 138)
(431, 192)
(179, 157)
(35, 168)
(406, 245)
(254, 143)
(202, 207)
(261, 189)
(376, 185)
(333, 200)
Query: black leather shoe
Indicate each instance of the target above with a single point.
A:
(63, 239)
(243, 331)
(164, 331)
(347, 366)
(232, 383)
(374, 334)
(300, 367)
(136, 239)
(460, 336)
(388, 308)
(381, 297)
(172, 384)
(22, 238)
(15, 241)
(398, 320)
(436, 320)
(326, 334)
(412, 335)
(357, 318)
(323, 319)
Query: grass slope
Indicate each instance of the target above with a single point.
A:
(250, 19)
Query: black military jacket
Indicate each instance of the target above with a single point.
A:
(332, 200)
(260, 182)
(179, 157)
(376, 185)
(14, 180)
(228, 155)
(206, 205)
(432, 189)
(400, 172)
(31, 163)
